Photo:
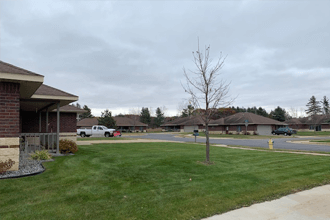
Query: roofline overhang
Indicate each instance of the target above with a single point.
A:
(21, 77)
(28, 83)
(59, 98)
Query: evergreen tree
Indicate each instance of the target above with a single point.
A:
(278, 114)
(325, 103)
(313, 107)
(187, 111)
(159, 117)
(77, 105)
(87, 114)
(262, 112)
(107, 120)
(145, 116)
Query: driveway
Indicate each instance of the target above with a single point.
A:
(279, 143)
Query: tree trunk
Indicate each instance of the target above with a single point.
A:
(207, 143)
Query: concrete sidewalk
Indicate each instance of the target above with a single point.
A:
(310, 204)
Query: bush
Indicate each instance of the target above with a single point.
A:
(255, 133)
(67, 146)
(4, 166)
(246, 133)
(41, 155)
(230, 133)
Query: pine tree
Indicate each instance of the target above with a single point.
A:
(87, 114)
(159, 117)
(187, 111)
(278, 114)
(145, 116)
(107, 120)
(325, 103)
(313, 107)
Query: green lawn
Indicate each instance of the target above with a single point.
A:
(311, 133)
(151, 181)
(240, 136)
(103, 138)
(322, 141)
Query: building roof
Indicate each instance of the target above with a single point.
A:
(295, 121)
(311, 120)
(176, 122)
(70, 108)
(9, 68)
(236, 119)
(239, 119)
(120, 121)
(51, 91)
(124, 121)
(87, 122)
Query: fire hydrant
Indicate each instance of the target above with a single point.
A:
(271, 143)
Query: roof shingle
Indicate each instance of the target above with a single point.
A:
(48, 90)
(9, 68)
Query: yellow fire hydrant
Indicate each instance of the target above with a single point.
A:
(271, 143)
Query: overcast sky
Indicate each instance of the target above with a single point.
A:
(120, 55)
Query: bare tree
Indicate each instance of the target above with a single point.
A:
(206, 89)
(293, 112)
(135, 115)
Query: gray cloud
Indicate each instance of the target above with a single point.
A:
(124, 54)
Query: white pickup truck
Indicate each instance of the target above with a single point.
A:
(97, 130)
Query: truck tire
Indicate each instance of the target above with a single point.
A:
(107, 134)
(82, 134)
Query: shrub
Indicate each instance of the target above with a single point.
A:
(255, 133)
(4, 166)
(67, 146)
(230, 133)
(246, 133)
(41, 155)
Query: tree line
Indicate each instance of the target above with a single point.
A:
(314, 107)
(107, 119)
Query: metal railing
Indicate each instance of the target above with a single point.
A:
(30, 142)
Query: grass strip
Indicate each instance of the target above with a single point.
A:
(104, 138)
(311, 133)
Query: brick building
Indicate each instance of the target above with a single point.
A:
(310, 123)
(231, 124)
(28, 106)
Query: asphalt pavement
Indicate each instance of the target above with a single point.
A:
(279, 143)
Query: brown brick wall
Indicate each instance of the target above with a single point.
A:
(9, 109)
(30, 122)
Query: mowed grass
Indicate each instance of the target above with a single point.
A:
(241, 136)
(103, 138)
(152, 181)
(321, 141)
(311, 133)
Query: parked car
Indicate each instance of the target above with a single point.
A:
(284, 131)
(97, 130)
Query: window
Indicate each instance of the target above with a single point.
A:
(239, 128)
